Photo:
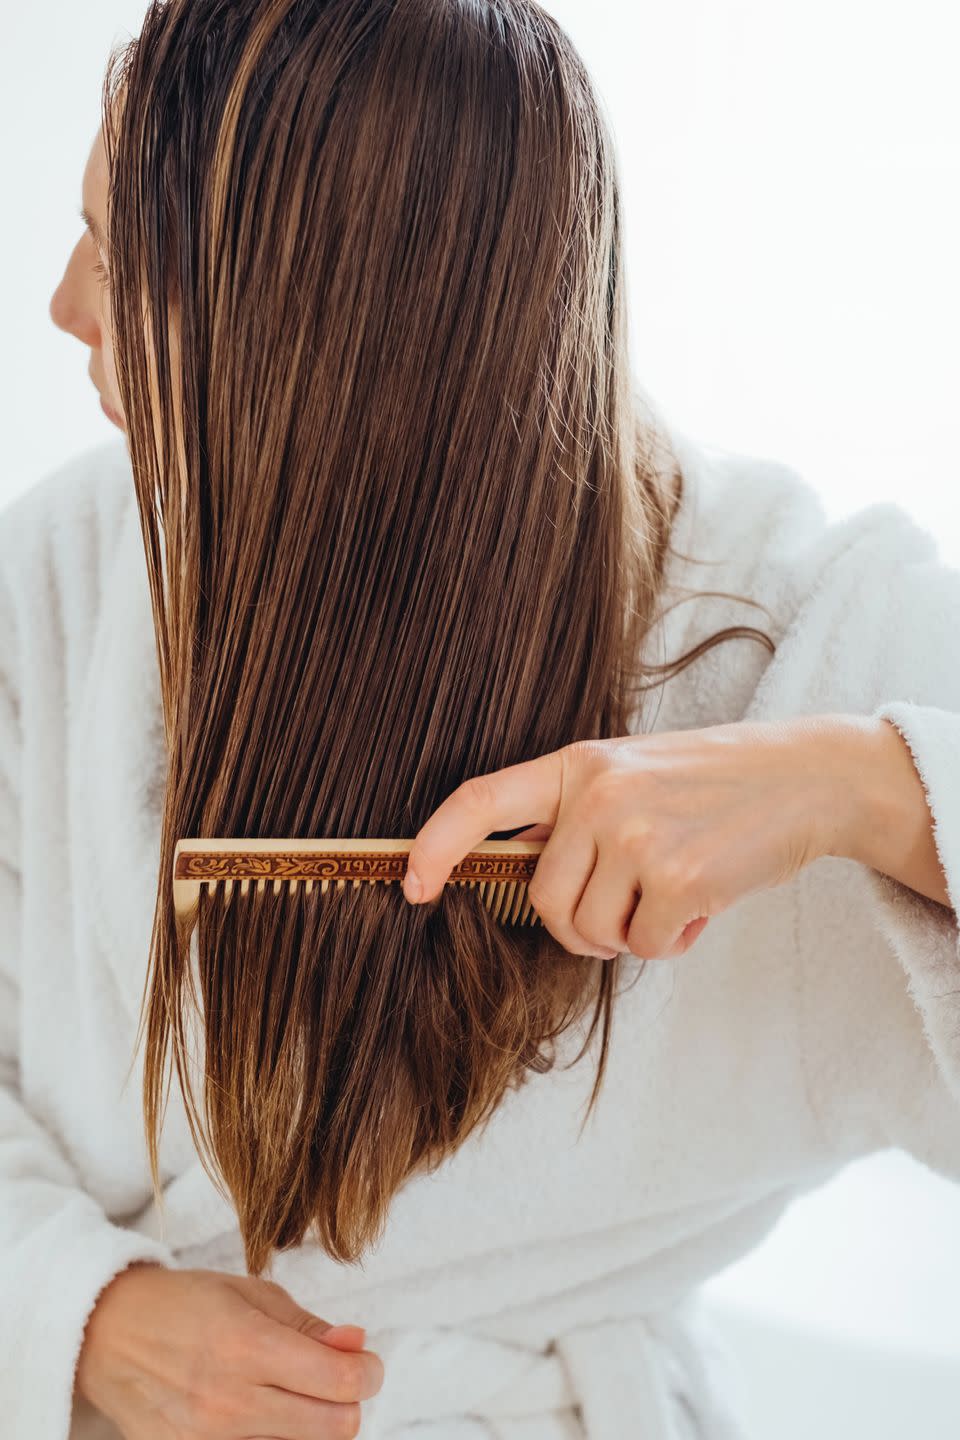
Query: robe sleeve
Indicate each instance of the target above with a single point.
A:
(924, 934)
(58, 1249)
(877, 632)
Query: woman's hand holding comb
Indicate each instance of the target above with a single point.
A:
(648, 836)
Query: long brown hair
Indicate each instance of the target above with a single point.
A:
(405, 522)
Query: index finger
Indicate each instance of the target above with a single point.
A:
(524, 794)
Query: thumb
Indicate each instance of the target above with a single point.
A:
(342, 1337)
(280, 1305)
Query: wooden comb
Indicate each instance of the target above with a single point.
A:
(499, 870)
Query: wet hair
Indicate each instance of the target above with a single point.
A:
(405, 519)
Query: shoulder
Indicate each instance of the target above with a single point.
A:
(752, 547)
(760, 528)
(57, 538)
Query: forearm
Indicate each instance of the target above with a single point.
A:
(880, 816)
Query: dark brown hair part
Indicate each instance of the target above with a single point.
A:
(405, 522)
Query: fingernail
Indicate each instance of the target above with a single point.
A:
(345, 1337)
(346, 1332)
(608, 954)
(412, 885)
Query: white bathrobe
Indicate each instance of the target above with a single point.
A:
(537, 1286)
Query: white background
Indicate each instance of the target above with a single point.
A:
(792, 187)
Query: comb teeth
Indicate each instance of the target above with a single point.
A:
(499, 870)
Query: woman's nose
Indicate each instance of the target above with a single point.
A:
(69, 312)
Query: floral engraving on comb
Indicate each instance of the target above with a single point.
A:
(216, 865)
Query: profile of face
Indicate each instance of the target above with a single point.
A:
(80, 305)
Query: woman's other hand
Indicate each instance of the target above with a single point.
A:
(648, 836)
(208, 1356)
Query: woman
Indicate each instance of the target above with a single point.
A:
(352, 287)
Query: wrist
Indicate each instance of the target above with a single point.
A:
(96, 1332)
(851, 757)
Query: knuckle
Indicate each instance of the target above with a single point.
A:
(634, 836)
(603, 789)
(696, 875)
(586, 951)
(536, 895)
(647, 944)
(539, 892)
(589, 756)
(638, 939)
(588, 932)
(640, 947)
(678, 873)
(478, 794)
(543, 901)
(572, 941)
